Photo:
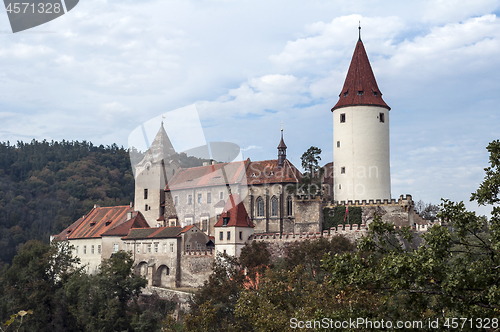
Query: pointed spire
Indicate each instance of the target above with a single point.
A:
(281, 150)
(360, 86)
(161, 148)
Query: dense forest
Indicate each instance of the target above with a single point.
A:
(46, 186)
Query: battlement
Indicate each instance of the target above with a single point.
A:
(403, 200)
(355, 230)
(198, 252)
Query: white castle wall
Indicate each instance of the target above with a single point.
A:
(364, 152)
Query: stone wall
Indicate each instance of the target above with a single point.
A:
(277, 243)
(308, 216)
(195, 267)
(181, 298)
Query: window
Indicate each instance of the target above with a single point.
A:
(381, 117)
(260, 207)
(241, 235)
(229, 235)
(156, 247)
(115, 247)
(199, 198)
(375, 93)
(198, 246)
(171, 247)
(360, 93)
(221, 236)
(128, 246)
(289, 206)
(338, 144)
(274, 206)
(77, 249)
(342, 170)
(176, 200)
(164, 247)
(188, 221)
(149, 248)
(224, 250)
(84, 250)
(209, 198)
(188, 247)
(145, 194)
(346, 93)
(190, 199)
(146, 207)
(225, 221)
(99, 249)
(221, 195)
(92, 249)
(138, 248)
(342, 118)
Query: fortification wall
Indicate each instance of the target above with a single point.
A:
(181, 298)
(195, 267)
(308, 216)
(277, 243)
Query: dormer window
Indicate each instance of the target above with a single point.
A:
(346, 93)
(225, 221)
(360, 93)
(375, 93)
(108, 223)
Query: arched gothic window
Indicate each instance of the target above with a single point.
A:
(289, 207)
(260, 207)
(274, 206)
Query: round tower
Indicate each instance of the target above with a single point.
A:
(361, 153)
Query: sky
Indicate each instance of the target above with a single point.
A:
(105, 68)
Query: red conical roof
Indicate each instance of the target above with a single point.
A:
(360, 86)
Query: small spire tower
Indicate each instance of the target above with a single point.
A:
(281, 150)
(361, 152)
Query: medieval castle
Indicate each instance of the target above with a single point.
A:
(182, 217)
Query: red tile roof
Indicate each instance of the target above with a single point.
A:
(360, 86)
(236, 212)
(98, 221)
(137, 221)
(268, 171)
(205, 176)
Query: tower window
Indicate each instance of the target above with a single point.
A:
(274, 206)
(381, 117)
(338, 144)
(260, 207)
(342, 170)
(241, 235)
(146, 207)
(289, 206)
(342, 118)
(145, 194)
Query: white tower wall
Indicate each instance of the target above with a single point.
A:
(364, 154)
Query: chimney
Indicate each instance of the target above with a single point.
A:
(96, 206)
(205, 163)
(129, 215)
(131, 204)
(214, 162)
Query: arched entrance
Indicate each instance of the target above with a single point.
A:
(162, 276)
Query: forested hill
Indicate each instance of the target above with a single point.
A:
(46, 186)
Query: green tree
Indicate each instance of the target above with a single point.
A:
(310, 161)
(35, 281)
(107, 301)
(455, 274)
